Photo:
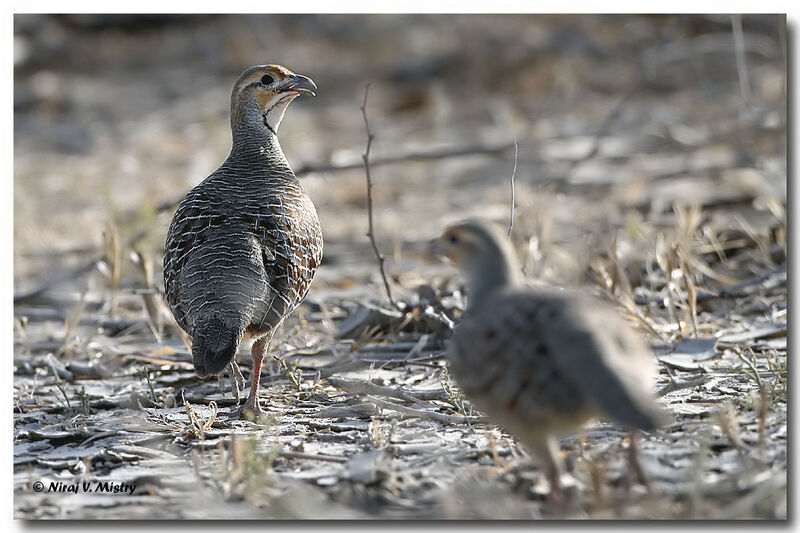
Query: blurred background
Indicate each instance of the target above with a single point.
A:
(116, 117)
(650, 169)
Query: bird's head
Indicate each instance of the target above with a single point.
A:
(482, 251)
(263, 92)
(471, 241)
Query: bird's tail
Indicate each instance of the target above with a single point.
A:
(215, 342)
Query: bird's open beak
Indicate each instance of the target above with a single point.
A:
(300, 84)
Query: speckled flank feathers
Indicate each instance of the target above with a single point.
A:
(245, 243)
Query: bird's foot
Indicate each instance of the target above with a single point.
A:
(555, 502)
(562, 496)
(251, 410)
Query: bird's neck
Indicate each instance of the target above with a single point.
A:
(494, 272)
(255, 142)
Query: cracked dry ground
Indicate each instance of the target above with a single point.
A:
(364, 420)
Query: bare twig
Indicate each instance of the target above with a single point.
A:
(311, 457)
(691, 293)
(35, 314)
(113, 258)
(57, 279)
(370, 231)
(146, 376)
(513, 175)
(726, 418)
(71, 323)
(197, 428)
(366, 387)
(430, 415)
(150, 296)
(741, 64)
(751, 363)
(427, 155)
(672, 386)
(64, 394)
(730, 290)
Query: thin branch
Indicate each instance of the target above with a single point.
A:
(729, 290)
(427, 155)
(741, 63)
(36, 314)
(513, 175)
(366, 387)
(57, 279)
(286, 454)
(428, 415)
(673, 385)
(371, 232)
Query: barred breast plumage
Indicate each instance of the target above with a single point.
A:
(244, 244)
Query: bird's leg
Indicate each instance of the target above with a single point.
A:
(236, 379)
(548, 451)
(251, 410)
(499, 463)
(633, 457)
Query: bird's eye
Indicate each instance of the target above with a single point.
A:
(267, 79)
(453, 239)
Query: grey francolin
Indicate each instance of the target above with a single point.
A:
(245, 243)
(542, 362)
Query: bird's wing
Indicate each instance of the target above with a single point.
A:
(212, 265)
(291, 249)
(186, 232)
(594, 349)
(502, 361)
